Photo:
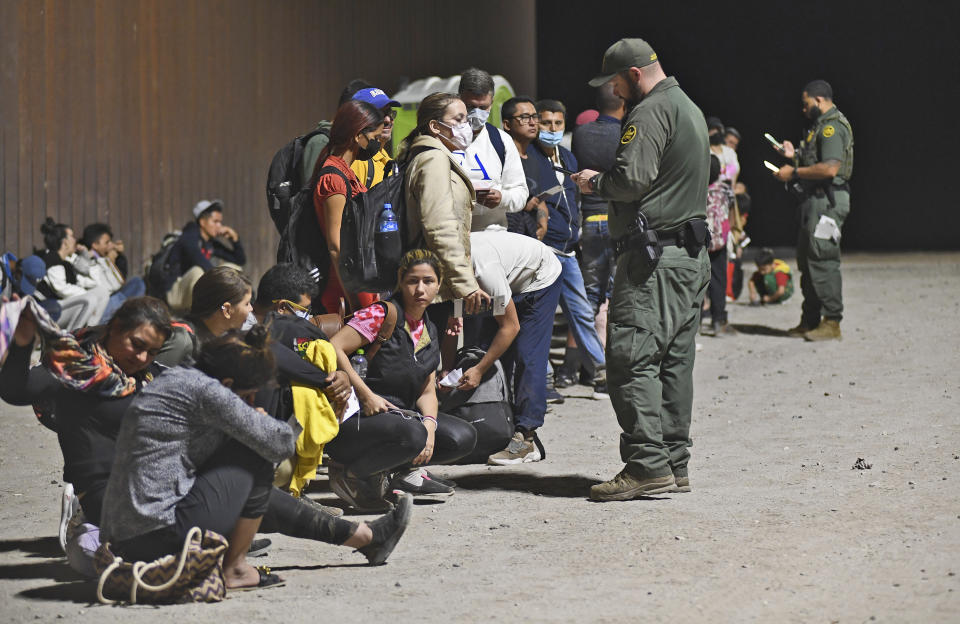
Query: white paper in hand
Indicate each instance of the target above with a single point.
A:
(353, 406)
(452, 380)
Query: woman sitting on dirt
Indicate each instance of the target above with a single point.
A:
(192, 452)
(400, 429)
(220, 302)
(87, 419)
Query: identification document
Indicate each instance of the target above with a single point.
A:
(452, 379)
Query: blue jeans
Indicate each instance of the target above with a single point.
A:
(134, 287)
(576, 307)
(525, 362)
(599, 265)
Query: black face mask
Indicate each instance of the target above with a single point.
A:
(368, 152)
(716, 138)
(813, 113)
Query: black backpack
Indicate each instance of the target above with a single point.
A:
(290, 204)
(160, 272)
(362, 269)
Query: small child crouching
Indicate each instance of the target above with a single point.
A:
(772, 281)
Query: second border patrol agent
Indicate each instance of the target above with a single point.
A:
(658, 195)
(819, 175)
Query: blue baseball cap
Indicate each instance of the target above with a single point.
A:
(375, 96)
(32, 270)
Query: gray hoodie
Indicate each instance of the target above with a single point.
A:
(170, 430)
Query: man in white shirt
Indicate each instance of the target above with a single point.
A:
(100, 253)
(521, 275)
(492, 161)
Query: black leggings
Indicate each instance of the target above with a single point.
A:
(367, 445)
(91, 500)
(285, 515)
(292, 517)
(234, 483)
(493, 423)
(717, 290)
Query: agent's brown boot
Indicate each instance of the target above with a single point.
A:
(625, 486)
(828, 330)
(801, 329)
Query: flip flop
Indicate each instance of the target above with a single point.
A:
(267, 581)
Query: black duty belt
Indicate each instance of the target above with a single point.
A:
(685, 237)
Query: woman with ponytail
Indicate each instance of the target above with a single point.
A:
(82, 299)
(355, 135)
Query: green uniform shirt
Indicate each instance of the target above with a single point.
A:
(663, 163)
(830, 138)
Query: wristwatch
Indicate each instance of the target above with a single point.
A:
(593, 182)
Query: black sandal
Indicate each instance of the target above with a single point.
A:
(267, 580)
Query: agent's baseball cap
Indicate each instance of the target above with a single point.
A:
(204, 205)
(623, 55)
(375, 96)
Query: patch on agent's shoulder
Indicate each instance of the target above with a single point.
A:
(629, 134)
(828, 131)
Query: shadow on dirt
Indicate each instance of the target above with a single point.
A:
(760, 330)
(78, 592)
(34, 547)
(561, 486)
(53, 570)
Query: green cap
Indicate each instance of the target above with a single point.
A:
(623, 55)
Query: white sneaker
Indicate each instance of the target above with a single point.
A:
(69, 505)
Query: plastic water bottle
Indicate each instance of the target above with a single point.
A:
(359, 363)
(387, 243)
(388, 220)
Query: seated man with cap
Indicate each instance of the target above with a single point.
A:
(371, 172)
(205, 242)
(19, 278)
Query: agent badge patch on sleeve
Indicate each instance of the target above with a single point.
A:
(828, 132)
(629, 134)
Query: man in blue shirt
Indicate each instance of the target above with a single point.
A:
(595, 147)
(563, 232)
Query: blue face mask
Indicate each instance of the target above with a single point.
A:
(551, 138)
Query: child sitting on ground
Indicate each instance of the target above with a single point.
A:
(772, 281)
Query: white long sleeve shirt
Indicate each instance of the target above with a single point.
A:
(482, 164)
(57, 279)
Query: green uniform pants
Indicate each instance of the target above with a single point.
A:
(819, 260)
(653, 322)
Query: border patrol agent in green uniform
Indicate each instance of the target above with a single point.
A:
(819, 175)
(658, 195)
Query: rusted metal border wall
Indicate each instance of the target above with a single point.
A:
(129, 111)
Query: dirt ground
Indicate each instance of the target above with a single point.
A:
(778, 527)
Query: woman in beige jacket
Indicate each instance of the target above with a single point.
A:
(439, 195)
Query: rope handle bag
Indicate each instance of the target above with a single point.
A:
(196, 575)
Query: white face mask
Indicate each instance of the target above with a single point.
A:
(462, 135)
(477, 117)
